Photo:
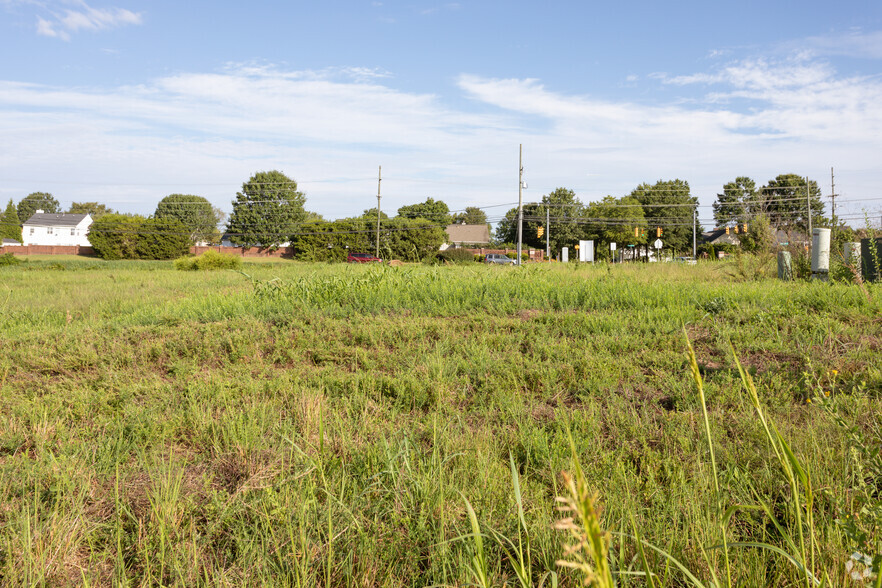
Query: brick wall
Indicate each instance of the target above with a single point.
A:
(48, 250)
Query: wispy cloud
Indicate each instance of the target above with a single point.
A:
(757, 117)
(62, 22)
(854, 43)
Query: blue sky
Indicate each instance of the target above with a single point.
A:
(125, 102)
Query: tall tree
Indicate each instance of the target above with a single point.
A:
(614, 220)
(10, 227)
(785, 202)
(371, 213)
(565, 211)
(36, 201)
(267, 212)
(196, 213)
(94, 209)
(668, 205)
(435, 211)
(472, 215)
(737, 201)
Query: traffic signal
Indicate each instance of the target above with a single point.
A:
(736, 229)
(727, 230)
(540, 232)
(658, 232)
(636, 231)
(744, 228)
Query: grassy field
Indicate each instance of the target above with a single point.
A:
(331, 425)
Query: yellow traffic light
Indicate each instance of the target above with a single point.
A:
(658, 232)
(727, 230)
(636, 231)
(744, 228)
(736, 229)
(540, 232)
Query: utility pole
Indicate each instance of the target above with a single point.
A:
(695, 233)
(547, 232)
(833, 199)
(379, 179)
(520, 201)
(808, 202)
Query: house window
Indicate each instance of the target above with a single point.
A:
(49, 231)
(32, 230)
(72, 232)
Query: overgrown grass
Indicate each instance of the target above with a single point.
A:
(321, 425)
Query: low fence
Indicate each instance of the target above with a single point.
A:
(47, 250)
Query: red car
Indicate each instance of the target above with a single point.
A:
(362, 258)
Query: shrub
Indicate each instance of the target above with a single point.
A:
(115, 236)
(210, 260)
(9, 259)
(162, 238)
(456, 256)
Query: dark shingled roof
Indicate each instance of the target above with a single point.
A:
(45, 219)
(476, 234)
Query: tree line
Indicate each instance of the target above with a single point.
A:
(662, 210)
(269, 211)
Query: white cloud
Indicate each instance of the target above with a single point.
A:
(330, 129)
(81, 17)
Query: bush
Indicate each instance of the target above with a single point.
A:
(9, 259)
(456, 256)
(210, 260)
(123, 236)
(162, 238)
(115, 236)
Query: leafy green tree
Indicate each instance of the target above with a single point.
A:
(10, 227)
(567, 216)
(94, 209)
(614, 220)
(267, 212)
(196, 213)
(115, 236)
(737, 201)
(669, 206)
(785, 202)
(35, 201)
(507, 227)
(472, 215)
(760, 237)
(371, 213)
(332, 241)
(162, 238)
(432, 210)
(410, 239)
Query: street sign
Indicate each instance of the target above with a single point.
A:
(658, 244)
(612, 246)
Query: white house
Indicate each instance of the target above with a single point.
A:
(56, 229)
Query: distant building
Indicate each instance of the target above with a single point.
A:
(56, 229)
(10, 243)
(719, 237)
(466, 236)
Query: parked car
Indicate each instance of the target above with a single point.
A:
(686, 260)
(498, 258)
(362, 258)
